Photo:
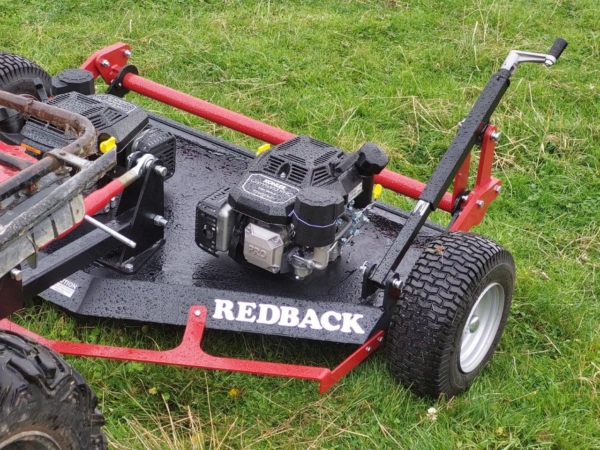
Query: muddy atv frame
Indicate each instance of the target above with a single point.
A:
(125, 250)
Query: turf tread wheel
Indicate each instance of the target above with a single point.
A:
(423, 343)
(17, 75)
(39, 390)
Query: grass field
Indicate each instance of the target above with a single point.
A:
(401, 74)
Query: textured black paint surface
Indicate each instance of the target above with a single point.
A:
(181, 274)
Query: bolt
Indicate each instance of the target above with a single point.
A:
(197, 313)
(480, 203)
(160, 221)
(128, 267)
(380, 339)
(497, 189)
(127, 53)
(113, 202)
(104, 63)
(362, 269)
(495, 136)
(161, 170)
(397, 283)
(368, 349)
(474, 324)
(16, 274)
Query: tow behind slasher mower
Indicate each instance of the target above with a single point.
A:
(108, 210)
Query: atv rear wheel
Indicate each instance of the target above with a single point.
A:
(45, 404)
(17, 75)
(451, 314)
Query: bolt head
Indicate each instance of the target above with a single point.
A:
(397, 283)
(497, 189)
(127, 53)
(362, 269)
(495, 136)
(128, 267)
(161, 170)
(160, 221)
(197, 313)
(480, 203)
(104, 63)
(368, 349)
(16, 274)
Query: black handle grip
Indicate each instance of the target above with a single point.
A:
(558, 47)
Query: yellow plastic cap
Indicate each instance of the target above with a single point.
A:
(263, 148)
(107, 145)
(377, 190)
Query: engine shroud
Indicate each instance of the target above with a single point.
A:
(111, 116)
(268, 189)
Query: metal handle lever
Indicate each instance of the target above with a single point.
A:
(516, 57)
(110, 231)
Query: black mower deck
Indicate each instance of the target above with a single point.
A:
(180, 274)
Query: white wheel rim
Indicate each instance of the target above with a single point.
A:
(481, 327)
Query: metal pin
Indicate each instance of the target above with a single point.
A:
(110, 231)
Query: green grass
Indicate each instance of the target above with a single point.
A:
(401, 74)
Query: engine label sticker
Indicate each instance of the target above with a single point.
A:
(287, 316)
(65, 287)
(269, 189)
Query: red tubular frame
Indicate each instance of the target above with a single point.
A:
(190, 354)
(107, 63)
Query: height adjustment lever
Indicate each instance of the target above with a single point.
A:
(516, 57)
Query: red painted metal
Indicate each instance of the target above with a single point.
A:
(98, 199)
(486, 187)
(461, 181)
(190, 354)
(409, 187)
(206, 110)
(115, 56)
(7, 171)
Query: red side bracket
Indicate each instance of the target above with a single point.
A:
(107, 61)
(189, 354)
(486, 187)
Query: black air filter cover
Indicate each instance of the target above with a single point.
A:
(109, 114)
(269, 187)
(315, 212)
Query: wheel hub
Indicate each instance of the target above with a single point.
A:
(481, 327)
(474, 324)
